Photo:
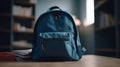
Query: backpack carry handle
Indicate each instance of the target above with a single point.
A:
(54, 8)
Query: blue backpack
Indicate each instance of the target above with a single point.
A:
(56, 37)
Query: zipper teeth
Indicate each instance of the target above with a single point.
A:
(65, 39)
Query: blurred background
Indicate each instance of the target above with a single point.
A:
(97, 21)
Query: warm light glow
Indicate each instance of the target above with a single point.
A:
(89, 12)
(77, 22)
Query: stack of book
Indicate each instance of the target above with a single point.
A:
(23, 55)
(21, 28)
(22, 11)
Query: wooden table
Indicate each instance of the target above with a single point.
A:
(86, 61)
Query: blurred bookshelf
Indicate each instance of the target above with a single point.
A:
(107, 26)
(16, 24)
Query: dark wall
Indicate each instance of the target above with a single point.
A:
(66, 5)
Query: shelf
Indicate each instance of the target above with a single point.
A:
(106, 50)
(105, 28)
(15, 47)
(21, 47)
(24, 17)
(24, 3)
(17, 16)
(24, 32)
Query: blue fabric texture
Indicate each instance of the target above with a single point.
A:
(56, 38)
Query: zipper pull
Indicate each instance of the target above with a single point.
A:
(57, 16)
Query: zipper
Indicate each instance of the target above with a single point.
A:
(61, 39)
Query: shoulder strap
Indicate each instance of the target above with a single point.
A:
(76, 38)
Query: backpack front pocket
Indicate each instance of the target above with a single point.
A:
(55, 44)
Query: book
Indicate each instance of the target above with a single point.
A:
(22, 11)
(23, 55)
(7, 57)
